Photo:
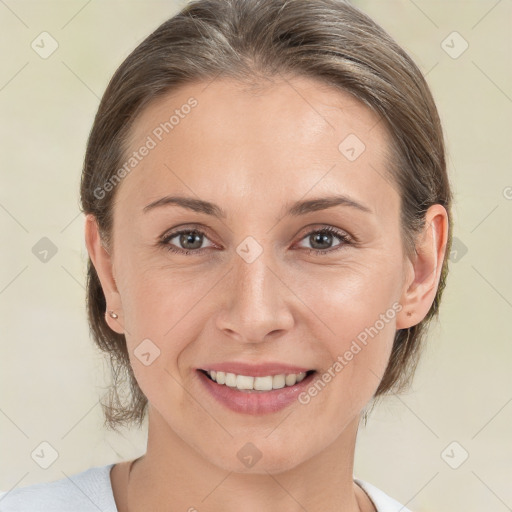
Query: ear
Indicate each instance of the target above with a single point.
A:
(421, 285)
(104, 266)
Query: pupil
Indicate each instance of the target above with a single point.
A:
(321, 237)
(186, 238)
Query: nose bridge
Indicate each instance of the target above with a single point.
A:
(255, 307)
(252, 280)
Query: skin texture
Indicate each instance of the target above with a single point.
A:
(253, 154)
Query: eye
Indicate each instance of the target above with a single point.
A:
(189, 239)
(321, 237)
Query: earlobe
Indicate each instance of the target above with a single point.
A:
(421, 288)
(104, 266)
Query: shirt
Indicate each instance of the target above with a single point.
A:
(91, 491)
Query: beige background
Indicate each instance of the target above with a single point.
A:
(52, 377)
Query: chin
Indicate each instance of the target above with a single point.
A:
(257, 457)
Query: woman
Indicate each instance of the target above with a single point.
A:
(267, 219)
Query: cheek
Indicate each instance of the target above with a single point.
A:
(354, 295)
(355, 365)
(164, 310)
(358, 308)
(156, 301)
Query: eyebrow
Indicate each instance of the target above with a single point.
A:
(296, 209)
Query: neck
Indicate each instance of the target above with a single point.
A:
(173, 472)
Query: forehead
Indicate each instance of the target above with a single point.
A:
(223, 141)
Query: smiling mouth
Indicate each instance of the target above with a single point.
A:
(249, 383)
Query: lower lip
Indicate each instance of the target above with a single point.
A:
(255, 402)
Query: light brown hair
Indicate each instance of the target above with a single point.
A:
(253, 41)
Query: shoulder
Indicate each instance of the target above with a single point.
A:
(382, 502)
(88, 491)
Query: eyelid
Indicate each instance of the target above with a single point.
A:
(343, 237)
(201, 228)
(327, 227)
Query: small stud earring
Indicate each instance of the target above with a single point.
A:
(112, 314)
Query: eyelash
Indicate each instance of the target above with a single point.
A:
(343, 237)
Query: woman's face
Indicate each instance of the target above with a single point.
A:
(252, 289)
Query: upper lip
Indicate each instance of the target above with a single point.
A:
(255, 370)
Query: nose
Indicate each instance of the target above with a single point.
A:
(257, 301)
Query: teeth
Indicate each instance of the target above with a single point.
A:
(278, 381)
(291, 379)
(248, 383)
(263, 383)
(231, 380)
(244, 382)
(300, 376)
